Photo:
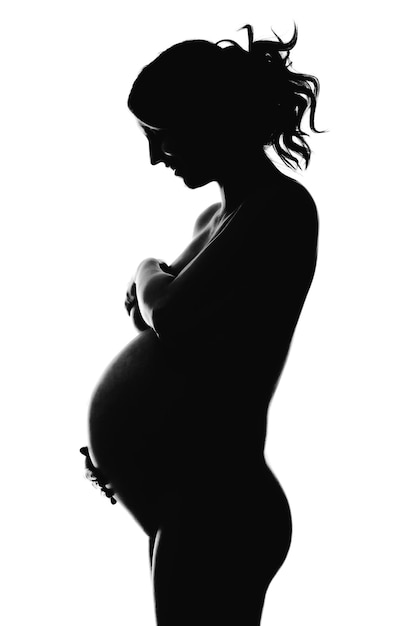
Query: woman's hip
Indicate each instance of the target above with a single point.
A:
(249, 497)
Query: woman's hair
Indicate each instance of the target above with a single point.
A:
(249, 96)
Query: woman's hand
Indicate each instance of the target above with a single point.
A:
(151, 262)
(132, 306)
(131, 300)
(152, 280)
(95, 476)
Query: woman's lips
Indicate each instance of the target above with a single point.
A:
(176, 170)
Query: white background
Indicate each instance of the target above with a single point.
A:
(82, 206)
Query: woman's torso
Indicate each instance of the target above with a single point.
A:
(196, 414)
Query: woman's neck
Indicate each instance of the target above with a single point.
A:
(245, 178)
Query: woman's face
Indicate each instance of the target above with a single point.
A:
(187, 154)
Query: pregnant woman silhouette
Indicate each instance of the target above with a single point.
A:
(178, 421)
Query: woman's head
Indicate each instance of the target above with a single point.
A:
(228, 98)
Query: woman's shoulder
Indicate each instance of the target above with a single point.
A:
(204, 219)
(291, 194)
(286, 208)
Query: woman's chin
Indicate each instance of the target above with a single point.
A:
(193, 180)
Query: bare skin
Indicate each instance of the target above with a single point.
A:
(178, 421)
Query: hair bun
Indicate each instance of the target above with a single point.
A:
(262, 51)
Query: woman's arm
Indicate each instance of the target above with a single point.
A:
(168, 303)
(151, 282)
(257, 251)
(132, 307)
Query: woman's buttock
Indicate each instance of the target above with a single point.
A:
(253, 492)
(246, 510)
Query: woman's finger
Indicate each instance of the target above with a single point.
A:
(137, 318)
(129, 304)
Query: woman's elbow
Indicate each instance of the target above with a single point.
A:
(168, 323)
(159, 321)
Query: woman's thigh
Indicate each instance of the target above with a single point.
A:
(213, 563)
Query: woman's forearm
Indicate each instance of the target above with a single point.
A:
(151, 286)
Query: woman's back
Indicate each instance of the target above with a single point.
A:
(234, 361)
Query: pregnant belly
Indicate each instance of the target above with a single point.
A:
(129, 420)
(153, 427)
